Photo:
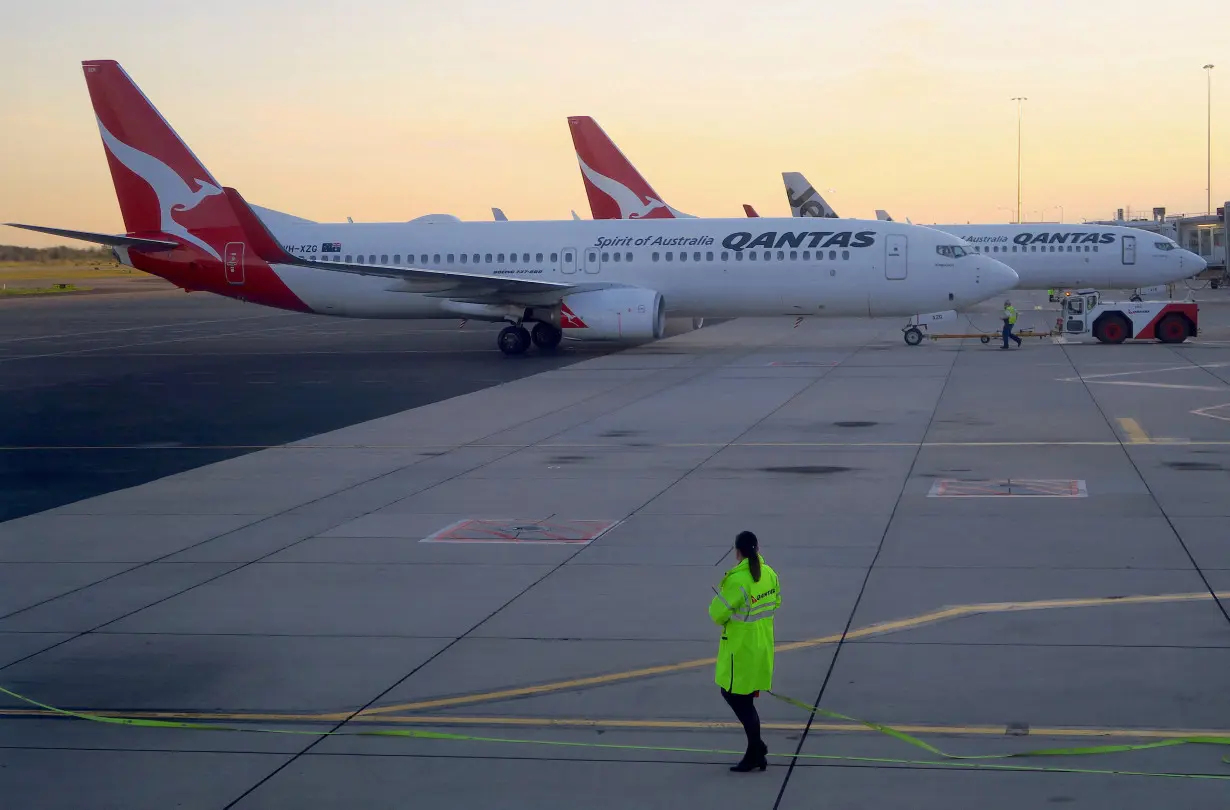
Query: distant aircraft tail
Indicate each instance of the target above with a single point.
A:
(882, 215)
(751, 212)
(803, 198)
(616, 190)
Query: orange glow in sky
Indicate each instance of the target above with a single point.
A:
(384, 111)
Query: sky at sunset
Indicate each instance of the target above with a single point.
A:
(387, 110)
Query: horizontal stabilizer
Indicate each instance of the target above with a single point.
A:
(113, 240)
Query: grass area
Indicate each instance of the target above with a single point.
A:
(12, 272)
(9, 292)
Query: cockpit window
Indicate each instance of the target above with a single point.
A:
(952, 251)
(1164, 245)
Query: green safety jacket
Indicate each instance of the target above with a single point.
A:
(744, 609)
(1010, 314)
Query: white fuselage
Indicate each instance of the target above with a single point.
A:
(702, 267)
(1050, 256)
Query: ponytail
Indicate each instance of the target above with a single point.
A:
(749, 547)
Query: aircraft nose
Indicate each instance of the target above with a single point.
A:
(998, 277)
(1193, 261)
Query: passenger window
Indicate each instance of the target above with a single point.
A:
(1095, 248)
(768, 254)
(738, 255)
(845, 254)
(384, 259)
(500, 258)
(794, 255)
(593, 257)
(313, 258)
(683, 256)
(832, 255)
(655, 255)
(807, 255)
(751, 255)
(568, 256)
(360, 260)
(781, 255)
(396, 258)
(696, 256)
(554, 257)
(709, 256)
(349, 259)
(435, 259)
(628, 257)
(525, 257)
(606, 257)
(617, 256)
(450, 258)
(538, 257)
(465, 257)
(725, 256)
(670, 256)
(487, 258)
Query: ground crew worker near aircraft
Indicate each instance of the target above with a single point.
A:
(744, 607)
(1009, 322)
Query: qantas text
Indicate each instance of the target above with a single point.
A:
(1046, 238)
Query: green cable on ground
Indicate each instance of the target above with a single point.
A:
(946, 761)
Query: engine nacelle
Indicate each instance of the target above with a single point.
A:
(628, 313)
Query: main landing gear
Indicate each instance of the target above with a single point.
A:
(516, 339)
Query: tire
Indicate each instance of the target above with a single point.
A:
(546, 336)
(1111, 329)
(1173, 329)
(913, 336)
(1136, 299)
(513, 340)
(985, 339)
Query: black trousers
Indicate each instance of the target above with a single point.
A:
(744, 708)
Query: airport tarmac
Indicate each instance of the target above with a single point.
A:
(994, 550)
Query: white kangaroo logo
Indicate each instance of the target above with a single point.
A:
(172, 192)
(630, 205)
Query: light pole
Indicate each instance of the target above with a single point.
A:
(1018, 100)
(1208, 72)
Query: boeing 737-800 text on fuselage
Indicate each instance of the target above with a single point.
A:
(1043, 256)
(595, 280)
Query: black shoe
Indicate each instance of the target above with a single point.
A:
(751, 762)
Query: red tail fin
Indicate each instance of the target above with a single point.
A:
(616, 190)
(160, 184)
(751, 212)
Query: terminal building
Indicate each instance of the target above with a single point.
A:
(1202, 234)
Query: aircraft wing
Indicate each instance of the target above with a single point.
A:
(113, 240)
(445, 283)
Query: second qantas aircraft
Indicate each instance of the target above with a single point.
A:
(585, 280)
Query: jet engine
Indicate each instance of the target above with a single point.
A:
(621, 313)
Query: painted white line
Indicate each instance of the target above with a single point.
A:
(1160, 385)
(1206, 412)
(1188, 367)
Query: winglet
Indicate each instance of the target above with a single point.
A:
(751, 212)
(255, 231)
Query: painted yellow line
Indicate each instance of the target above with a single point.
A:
(1134, 431)
(650, 725)
(882, 628)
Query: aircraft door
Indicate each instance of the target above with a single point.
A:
(592, 264)
(1129, 250)
(896, 250)
(232, 262)
(569, 263)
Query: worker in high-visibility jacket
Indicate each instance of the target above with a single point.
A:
(1009, 322)
(744, 606)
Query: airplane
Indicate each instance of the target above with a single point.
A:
(590, 280)
(1058, 256)
(1110, 256)
(751, 212)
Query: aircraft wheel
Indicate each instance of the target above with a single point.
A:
(1136, 299)
(985, 338)
(546, 336)
(1172, 329)
(513, 340)
(913, 336)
